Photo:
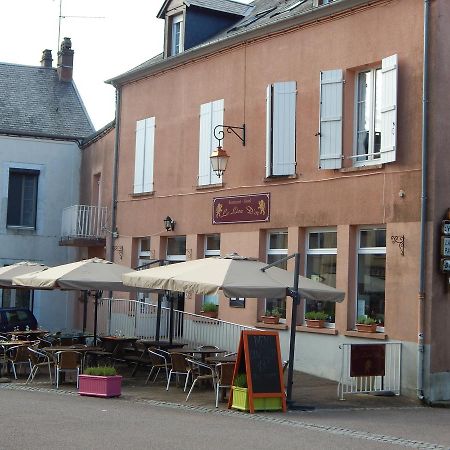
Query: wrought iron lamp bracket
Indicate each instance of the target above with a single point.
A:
(220, 133)
(119, 249)
(400, 240)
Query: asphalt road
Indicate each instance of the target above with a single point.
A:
(48, 420)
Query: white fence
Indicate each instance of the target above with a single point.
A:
(389, 382)
(138, 319)
(83, 221)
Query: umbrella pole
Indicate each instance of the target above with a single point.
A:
(95, 316)
(85, 303)
(171, 320)
(158, 318)
(32, 301)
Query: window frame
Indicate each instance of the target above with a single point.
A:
(174, 20)
(24, 171)
(175, 258)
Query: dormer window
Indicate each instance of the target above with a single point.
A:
(177, 35)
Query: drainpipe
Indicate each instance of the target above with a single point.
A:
(424, 203)
(114, 178)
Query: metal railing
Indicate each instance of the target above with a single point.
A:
(84, 221)
(389, 382)
(138, 319)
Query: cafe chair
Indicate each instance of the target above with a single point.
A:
(200, 372)
(179, 367)
(224, 375)
(67, 361)
(18, 356)
(39, 359)
(230, 354)
(158, 362)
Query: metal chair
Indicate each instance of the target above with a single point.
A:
(39, 359)
(18, 355)
(200, 372)
(179, 367)
(224, 373)
(67, 361)
(158, 362)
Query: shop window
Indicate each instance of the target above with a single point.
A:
(321, 257)
(176, 249)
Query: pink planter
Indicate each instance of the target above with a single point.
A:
(100, 386)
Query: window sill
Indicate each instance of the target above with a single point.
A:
(209, 186)
(359, 334)
(360, 168)
(270, 326)
(274, 178)
(15, 229)
(142, 195)
(305, 329)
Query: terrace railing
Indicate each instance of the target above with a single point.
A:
(84, 222)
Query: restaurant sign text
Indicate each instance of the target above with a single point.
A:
(241, 209)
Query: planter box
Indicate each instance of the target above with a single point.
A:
(210, 314)
(97, 386)
(313, 323)
(270, 319)
(240, 401)
(362, 327)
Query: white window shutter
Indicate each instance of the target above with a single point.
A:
(269, 131)
(205, 149)
(330, 132)
(149, 153)
(217, 119)
(283, 128)
(139, 157)
(389, 79)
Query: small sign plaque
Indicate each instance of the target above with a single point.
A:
(445, 265)
(241, 209)
(445, 246)
(446, 227)
(367, 360)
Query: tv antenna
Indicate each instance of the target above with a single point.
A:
(70, 17)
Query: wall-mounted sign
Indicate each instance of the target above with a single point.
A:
(241, 209)
(367, 360)
(446, 227)
(445, 246)
(445, 265)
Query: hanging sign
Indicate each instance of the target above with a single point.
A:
(446, 227)
(445, 265)
(367, 360)
(445, 246)
(241, 209)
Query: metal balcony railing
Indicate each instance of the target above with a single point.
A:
(84, 221)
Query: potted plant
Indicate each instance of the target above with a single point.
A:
(210, 310)
(316, 319)
(101, 381)
(240, 392)
(366, 324)
(271, 316)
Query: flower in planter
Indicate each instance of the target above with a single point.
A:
(365, 320)
(316, 319)
(210, 307)
(366, 324)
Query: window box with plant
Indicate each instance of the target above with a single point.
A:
(101, 381)
(271, 316)
(210, 310)
(316, 319)
(366, 324)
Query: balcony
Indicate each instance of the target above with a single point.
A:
(84, 226)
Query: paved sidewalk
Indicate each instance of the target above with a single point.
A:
(308, 390)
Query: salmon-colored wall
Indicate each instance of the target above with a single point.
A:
(344, 198)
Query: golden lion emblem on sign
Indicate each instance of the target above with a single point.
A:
(262, 207)
(219, 209)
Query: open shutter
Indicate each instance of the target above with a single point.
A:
(389, 76)
(205, 149)
(330, 133)
(149, 152)
(217, 119)
(269, 131)
(283, 128)
(139, 157)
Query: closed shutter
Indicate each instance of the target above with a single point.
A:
(389, 77)
(330, 133)
(211, 115)
(139, 157)
(149, 153)
(269, 131)
(283, 128)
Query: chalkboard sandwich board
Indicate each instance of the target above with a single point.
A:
(259, 358)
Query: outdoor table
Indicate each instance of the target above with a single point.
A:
(220, 359)
(25, 333)
(164, 345)
(203, 352)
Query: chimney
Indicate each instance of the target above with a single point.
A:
(46, 60)
(65, 60)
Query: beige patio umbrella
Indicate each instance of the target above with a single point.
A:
(7, 273)
(238, 276)
(89, 274)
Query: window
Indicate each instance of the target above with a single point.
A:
(211, 115)
(18, 298)
(177, 31)
(375, 138)
(371, 273)
(281, 102)
(277, 248)
(321, 254)
(212, 248)
(22, 198)
(144, 252)
(144, 155)
(176, 249)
